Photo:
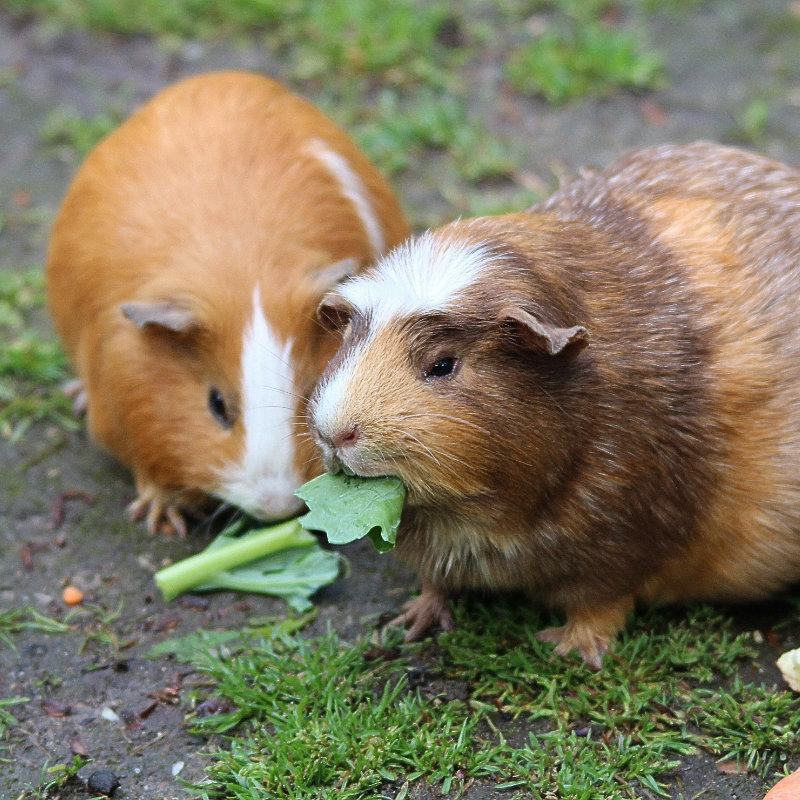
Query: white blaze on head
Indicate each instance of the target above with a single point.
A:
(354, 189)
(424, 275)
(263, 482)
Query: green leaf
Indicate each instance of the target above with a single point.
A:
(282, 560)
(204, 642)
(293, 574)
(348, 508)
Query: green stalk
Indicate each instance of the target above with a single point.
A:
(198, 569)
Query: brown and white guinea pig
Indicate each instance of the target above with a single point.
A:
(185, 266)
(596, 402)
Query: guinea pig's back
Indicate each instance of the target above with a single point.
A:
(208, 156)
(228, 195)
(731, 221)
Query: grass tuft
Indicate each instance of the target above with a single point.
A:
(579, 54)
(488, 704)
(32, 366)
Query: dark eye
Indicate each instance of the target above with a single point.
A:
(219, 408)
(441, 368)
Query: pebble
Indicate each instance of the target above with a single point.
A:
(103, 781)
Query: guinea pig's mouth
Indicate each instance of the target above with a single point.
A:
(336, 464)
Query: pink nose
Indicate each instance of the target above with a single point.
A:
(347, 437)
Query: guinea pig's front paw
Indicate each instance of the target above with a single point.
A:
(76, 391)
(430, 610)
(160, 508)
(589, 631)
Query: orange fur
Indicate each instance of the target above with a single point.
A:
(208, 189)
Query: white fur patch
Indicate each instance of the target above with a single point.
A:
(426, 274)
(422, 275)
(354, 189)
(264, 481)
(328, 405)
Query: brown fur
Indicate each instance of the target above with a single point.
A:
(201, 193)
(655, 459)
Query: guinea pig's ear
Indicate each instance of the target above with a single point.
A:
(542, 336)
(324, 278)
(166, 314)
(334, 312)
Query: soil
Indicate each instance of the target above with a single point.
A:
(93, 691)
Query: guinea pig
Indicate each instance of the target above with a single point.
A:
(595, 402)
(183, 273)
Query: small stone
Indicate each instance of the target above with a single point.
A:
(109, 714)
(103, 781)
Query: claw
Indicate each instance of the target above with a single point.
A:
(430, 610)
(589, 631)
(80, 398)
(160, 509)
(590, 647)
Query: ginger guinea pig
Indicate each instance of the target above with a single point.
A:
(183, 273)
(596, 401)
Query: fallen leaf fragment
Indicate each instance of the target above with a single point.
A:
(789, 665)
(787, 788)
(77, 746)
(55, 708)
(57, 512)
(148, 709)
(131, 720)
(732, 768)
(212, 706)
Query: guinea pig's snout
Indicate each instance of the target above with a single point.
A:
(346, 437)
(336, 438)
(335, 443)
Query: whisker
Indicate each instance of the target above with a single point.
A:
(449, 468)
(450, 417)
(281, 391)
(422, 445)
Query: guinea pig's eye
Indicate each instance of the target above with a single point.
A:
(442, 367)
(219, 408)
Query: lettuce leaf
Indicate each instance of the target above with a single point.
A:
(347, 508)
(281, 560)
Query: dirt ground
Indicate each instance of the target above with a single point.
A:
(87, 692)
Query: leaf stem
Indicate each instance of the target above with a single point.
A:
(200, 568)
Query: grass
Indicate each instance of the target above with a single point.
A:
(583, 56)
(393, 73)
(78, 135)
(488, 705)
(27, 618)
(395, 132)
(32, 365)
(14, 621)
(56, 778)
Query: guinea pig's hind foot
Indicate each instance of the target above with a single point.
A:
(589, 631)
(160, 510)
(430, 610)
